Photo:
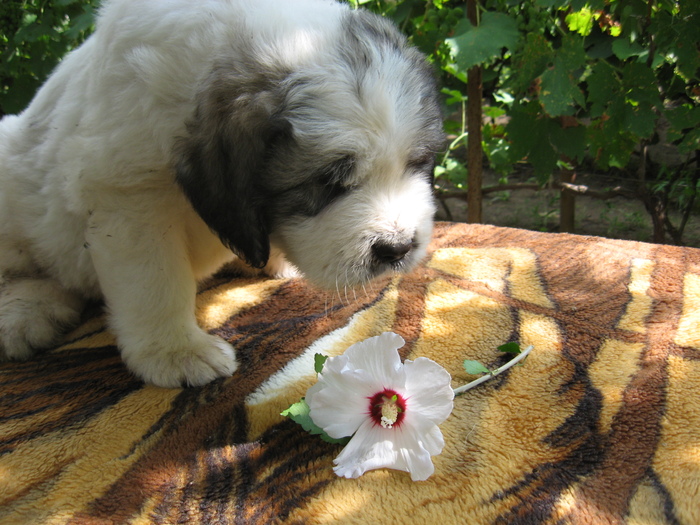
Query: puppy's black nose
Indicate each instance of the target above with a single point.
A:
(386, 252)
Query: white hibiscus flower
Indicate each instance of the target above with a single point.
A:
(391, 410)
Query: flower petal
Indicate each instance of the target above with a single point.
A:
(338, 402)
(428, 389)
(379, 356)
(416, 456)
(428, 435)
(374, 447)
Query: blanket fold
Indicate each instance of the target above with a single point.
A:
(600, 424)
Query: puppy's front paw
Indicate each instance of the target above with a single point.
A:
(195, 361)
(278, 267)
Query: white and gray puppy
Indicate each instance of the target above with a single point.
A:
(183, 132)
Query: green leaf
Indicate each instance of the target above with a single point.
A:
(684, 45)
(522, 128)
(551, 3)
(493, 111)
(530, 132)
(581, 21)
(603, 85)
(511, 348)
(454, 170)
(691, 142)
(319, 361)
(640, 85)
(682, 119)
(475, 45)
(569, 142)
(625, 49)
(560, 90)
(83, 22)
(475, 367)
(454, 96)
(299, 413)
(610, 146)
(640, 120)
(531, 61)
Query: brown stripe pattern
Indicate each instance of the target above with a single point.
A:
(600, 425)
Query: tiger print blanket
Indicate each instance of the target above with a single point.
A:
(600, 425)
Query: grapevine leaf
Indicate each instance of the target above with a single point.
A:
(522, 128)
(299, 413)
(610, 146)
(625, 49)
(691, 142)
(560, 83)
(570, 142)
(603, 85)
(551, 3)
(640, 120)
(581, 21)
(475, 45)
(685, 45)
(639, 84)
(684, 126)
(475, 367)
(530, 132)
(319, 361)
(532, 61)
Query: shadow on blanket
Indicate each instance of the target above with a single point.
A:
(600, 425)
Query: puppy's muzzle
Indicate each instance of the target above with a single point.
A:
(391, 252)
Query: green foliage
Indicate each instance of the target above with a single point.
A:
(35, 35)
(300, 413)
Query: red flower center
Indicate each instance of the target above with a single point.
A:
(387, 408)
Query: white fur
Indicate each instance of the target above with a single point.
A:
(89, 206)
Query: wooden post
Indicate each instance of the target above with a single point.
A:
(475, 152)
(567, 203)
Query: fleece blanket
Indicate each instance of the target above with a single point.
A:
(600, 424)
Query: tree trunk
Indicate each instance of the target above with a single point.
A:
(475, 152)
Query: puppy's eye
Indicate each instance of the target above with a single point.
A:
(423, 164)
(338, 172)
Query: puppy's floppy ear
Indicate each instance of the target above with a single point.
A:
(219, 162)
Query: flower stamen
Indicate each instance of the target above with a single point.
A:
(387, 408)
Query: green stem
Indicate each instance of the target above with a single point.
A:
(493, 373)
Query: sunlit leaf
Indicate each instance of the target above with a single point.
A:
(581, 22)
(475, 367)
(475, 45)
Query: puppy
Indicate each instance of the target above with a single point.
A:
(180, 135)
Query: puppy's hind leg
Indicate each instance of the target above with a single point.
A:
(34, 312)
(145, 273)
